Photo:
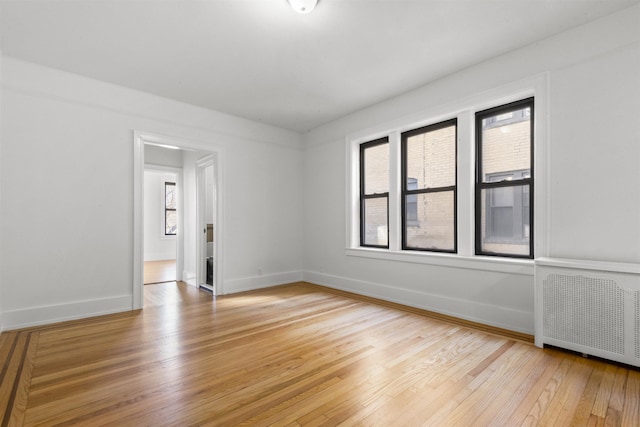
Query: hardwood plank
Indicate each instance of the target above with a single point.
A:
(564, 404)
(583, 412)
(540, 407)
(617, 391)
(298, 355)
(601, 403)
(469, 403)
(506, 400)
(531, 389)
(631, 408)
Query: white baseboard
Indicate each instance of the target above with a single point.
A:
(34, 316)
(501, 317)
(189, 278)
(258, 282)
(159, 256)
(496, 316)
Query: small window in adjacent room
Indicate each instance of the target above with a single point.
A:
(374, 193)
(504, 184)
(429, 187)
(170, 212)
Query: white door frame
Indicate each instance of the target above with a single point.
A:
(139, 140)
(201, 220)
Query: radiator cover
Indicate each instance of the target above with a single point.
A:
(589, 307)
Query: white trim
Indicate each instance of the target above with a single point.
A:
(581, 264)
(466, 181)
(189, 278)
(139, 140)
(43, 315)
(201, 266)
(542, 160)
(492, 315)
(484, 263)
(138, 221)
(395, 198)
(464, 110)
(264, 281)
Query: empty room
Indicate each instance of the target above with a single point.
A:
(320, 212)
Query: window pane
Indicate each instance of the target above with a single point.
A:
(375, 222)
(506, 144)
(376, 169)
(435, 227)
(170, 196)
(431, 158)
(171, 222)
(505, 226)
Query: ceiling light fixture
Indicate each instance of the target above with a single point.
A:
(303, 6)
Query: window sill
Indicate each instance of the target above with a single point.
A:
(484, 263)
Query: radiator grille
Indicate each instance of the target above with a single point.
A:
(587, 311)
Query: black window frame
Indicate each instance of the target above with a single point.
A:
(406, 192)
(480, 185)
(166, 209)
(411, 215)
(364, 196)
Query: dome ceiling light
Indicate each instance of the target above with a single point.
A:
(303, 6)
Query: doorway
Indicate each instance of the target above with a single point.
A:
(201, 193)
(162, 188)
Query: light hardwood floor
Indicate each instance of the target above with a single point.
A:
(297, 355)
(159, 271)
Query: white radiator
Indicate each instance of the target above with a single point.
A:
(589, 307)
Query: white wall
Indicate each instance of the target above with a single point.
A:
(160, 156)
(67, 242)
(157, 246)
(1, 236)
(593, 199)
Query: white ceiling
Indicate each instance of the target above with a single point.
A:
(260, 60)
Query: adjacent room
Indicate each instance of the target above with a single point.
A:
(320, 212)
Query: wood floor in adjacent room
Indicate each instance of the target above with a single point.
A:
(297, 355)
(159, 271)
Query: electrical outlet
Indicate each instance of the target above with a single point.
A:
(259, 271)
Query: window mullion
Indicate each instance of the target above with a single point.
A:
(395, 202)
(465, 189)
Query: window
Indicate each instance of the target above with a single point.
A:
(429, 187)
(458, 183)
(170, 213)
(374, 193)
(504, 181)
